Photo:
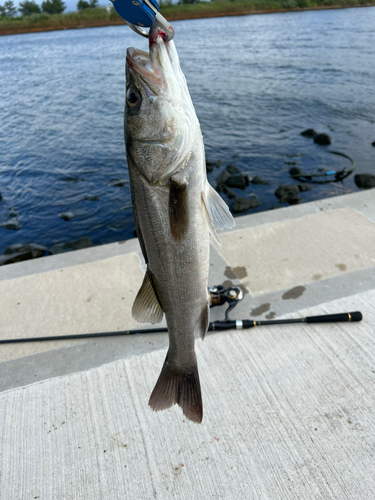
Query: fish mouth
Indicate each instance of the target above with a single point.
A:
(139, 63)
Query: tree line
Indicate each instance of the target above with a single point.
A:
(29, 7)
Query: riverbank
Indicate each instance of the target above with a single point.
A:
(94, 18)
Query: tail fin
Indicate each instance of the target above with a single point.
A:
(179, 386)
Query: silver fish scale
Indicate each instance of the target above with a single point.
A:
(180, 269)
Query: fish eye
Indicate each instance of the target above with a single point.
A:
(133, 98)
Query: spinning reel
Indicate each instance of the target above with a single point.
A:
(220, 295)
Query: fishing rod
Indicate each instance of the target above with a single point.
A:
(240, 324)
(218, 296)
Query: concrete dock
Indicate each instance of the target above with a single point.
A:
(289, 410)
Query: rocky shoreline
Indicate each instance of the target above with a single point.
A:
(27, 251)
(230, 183)
(231, 179)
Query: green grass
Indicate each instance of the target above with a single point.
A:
(228, 7)
(100, 16)
(86, 17)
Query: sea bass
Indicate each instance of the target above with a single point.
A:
(175, 210)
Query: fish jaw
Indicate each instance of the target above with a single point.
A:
(161, 130)
(139, 62)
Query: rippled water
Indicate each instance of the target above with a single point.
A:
(256, 81)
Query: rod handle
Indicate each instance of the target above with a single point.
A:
(331, 318)
(221, 325)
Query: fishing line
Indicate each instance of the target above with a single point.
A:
(321, 175)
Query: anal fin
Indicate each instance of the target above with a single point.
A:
(201, 326)
(146, 307)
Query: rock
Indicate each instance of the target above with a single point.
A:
(243, 204)
(84, 242)
(32, 249)
(238, 181)
(12, 213)
(365, 181)
(291, 162)
(287, 192)
(209, 166)
(1, 197)
(305, 187)
(69, 178)
(37, 250)
(223, 177)
(373, 144)
(229, 192)
(118, 182)
(11, 259)
(258, 180)
(67, 215)
(20, 251)
(294, 200)
(219, 163)
(232, 169)
(295, 171)
(12, 224)
(310, 132)
(229, 171)
(322, 139)
(93, 197)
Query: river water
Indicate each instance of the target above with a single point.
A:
(256, 82)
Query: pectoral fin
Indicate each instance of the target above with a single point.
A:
(146, 307)
(178, 209)
(218, 213)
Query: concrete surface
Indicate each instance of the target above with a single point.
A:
(288, 410)
(266, 257)
(79, 299)
(289, 414)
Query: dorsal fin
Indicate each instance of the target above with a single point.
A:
(146, 307)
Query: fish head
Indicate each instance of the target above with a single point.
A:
(160, 120)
